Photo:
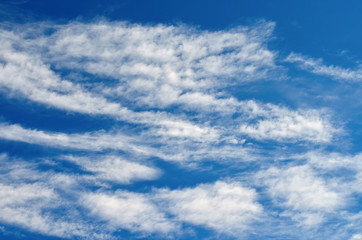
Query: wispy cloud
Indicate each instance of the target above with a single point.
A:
(95, 141)
(113, 168)
(317, 66)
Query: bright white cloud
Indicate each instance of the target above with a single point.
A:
(168, 84)
(24, 73)
(226, 207)
(305, 196)
(333, 160)
(153, 64)
(347, 169)
(26, 205)
(95, 141)
(113, 168)
(165, 59)
(278, 123)
(158, 67)
(140, 146)
(43, 201)
(128, 210)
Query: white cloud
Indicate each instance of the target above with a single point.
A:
(157, 67)
(278, 123)
(127, 210)
(305, 197)
(231, 147)
(113, 168)
(226, 207)
(356, 237)
(18, 171)
(154, 64)
(24, 73)
(173, 59)
(192, 153)
(27, 205)
(169, 84)
(181, 129)
(346, 168)
(47, 201)
(139, 146)
(94, 141)
(333, 160)
(316, 66)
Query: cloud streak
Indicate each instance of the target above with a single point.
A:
(115, 169)
(317, 67)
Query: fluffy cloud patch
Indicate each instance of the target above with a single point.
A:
(28, 205)
(128, 210)
(305, 196)
(277, 123)
(222, 206)
(150, 61)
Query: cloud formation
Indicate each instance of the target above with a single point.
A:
(164, 68)
(128, 210)
(299, 190)
(222, 206)
(30, 199)
(113, 168)
(169, 91)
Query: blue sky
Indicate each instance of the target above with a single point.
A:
(180, 120)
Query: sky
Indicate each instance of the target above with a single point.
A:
(180, 119)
